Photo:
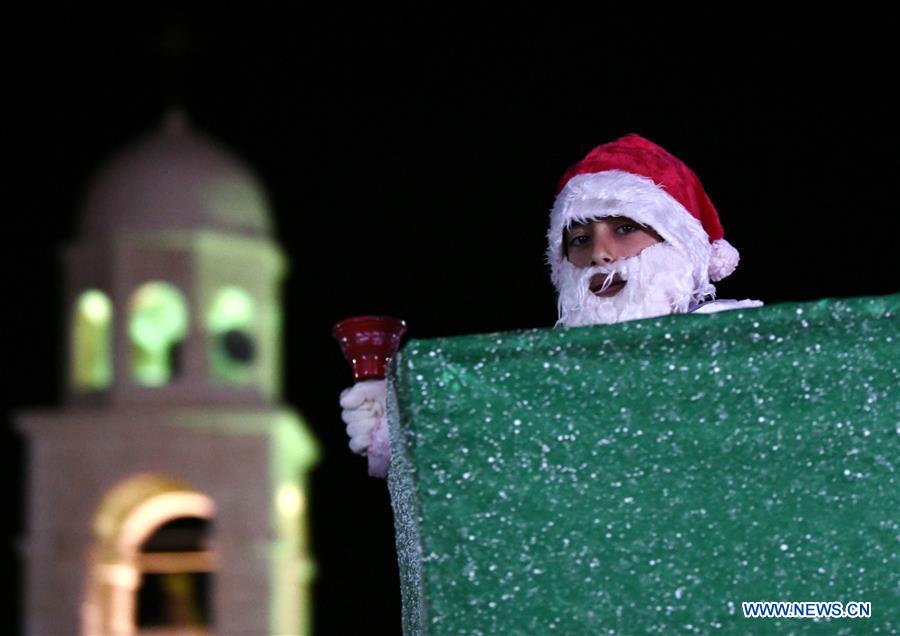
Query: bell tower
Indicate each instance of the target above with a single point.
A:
(167, 494)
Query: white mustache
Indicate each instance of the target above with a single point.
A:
(609, 271)
(660, 281)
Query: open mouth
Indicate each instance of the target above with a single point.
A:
(614, 287)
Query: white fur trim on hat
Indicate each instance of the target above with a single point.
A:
(619, 193)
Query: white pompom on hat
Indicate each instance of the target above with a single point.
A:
(634, 177)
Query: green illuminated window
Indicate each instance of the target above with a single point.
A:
(157, 327)
(91, 352)
(231, 322)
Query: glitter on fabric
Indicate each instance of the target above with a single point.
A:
(647, 477)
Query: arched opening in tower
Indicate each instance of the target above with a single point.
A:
(176, 565)
(152, 562)
(158, 324)
(90, 353)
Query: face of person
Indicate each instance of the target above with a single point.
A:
(607, 240)
(603, 242)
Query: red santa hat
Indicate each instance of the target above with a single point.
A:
(634, 177)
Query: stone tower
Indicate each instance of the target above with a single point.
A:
(167, 494)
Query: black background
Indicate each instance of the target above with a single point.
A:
(412, 156)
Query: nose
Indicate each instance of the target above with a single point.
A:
(603, 252)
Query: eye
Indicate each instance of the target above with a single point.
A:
(627, 228)
(578, 240)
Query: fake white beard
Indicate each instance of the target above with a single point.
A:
(659, 281)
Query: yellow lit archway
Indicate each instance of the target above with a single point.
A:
(126, 517)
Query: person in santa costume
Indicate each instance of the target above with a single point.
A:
(632, 235)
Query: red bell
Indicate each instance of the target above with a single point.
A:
(368, 342)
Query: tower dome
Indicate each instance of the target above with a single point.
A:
(175, 178)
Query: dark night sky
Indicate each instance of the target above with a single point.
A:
(411, 160)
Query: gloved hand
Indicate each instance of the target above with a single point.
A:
(363, 406)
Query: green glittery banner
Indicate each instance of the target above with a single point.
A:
(648, 477)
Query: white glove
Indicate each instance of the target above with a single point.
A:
(363, 405)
